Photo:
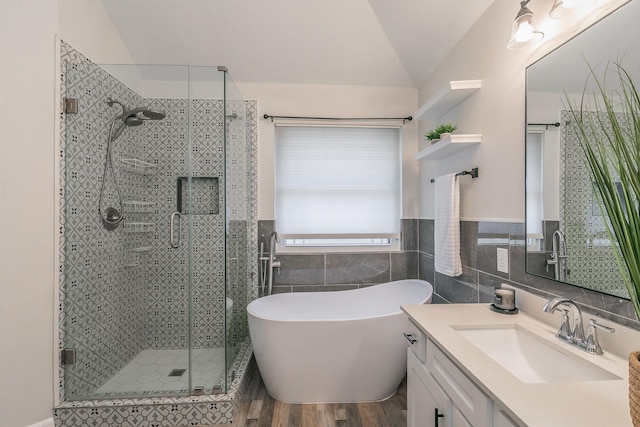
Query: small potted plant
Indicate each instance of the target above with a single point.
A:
(441, 131)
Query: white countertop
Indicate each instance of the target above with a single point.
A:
(579, 404)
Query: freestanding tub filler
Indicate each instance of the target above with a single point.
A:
(344, 346)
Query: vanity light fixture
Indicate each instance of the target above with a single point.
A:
(565, 8)
(523, 32)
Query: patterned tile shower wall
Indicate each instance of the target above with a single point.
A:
(591, 260)
(101, 298)
(167, 322)
(166, 325)
(127, 290)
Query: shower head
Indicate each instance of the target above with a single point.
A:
(151, 114)
(146, 113)
(139, 113)
(135, 117)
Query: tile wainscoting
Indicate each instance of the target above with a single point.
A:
(479, 241)
(323, 271)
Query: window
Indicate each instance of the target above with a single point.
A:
(338, 186)
(534, 197)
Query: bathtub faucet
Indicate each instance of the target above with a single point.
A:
(272, 263)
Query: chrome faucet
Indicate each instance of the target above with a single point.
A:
(272, 263)
(566, 332)
(558, 256)
(591, 342)
(574, 335)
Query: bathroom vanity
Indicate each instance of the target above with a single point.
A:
(469, 366)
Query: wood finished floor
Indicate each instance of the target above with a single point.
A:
(261, 410)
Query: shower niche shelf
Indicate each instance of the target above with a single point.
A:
(138, 166)
(138, 227)
(138, 206)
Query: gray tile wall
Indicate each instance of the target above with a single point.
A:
(323, 271)
(479, 241)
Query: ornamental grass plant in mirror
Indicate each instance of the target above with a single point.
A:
(607, 124)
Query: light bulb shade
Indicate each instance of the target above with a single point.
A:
(564, 8)
(523, 32)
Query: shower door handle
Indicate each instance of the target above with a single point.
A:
(174, 240)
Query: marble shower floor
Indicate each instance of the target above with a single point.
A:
(148, 372)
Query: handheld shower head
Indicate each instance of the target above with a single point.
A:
(133, 121)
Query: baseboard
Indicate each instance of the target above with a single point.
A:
(44, 423)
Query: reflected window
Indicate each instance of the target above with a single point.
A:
(535, 204)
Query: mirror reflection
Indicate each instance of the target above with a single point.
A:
(567, 238)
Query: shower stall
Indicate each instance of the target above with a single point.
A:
(158, 234)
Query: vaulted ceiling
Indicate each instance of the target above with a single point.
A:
(344, 42)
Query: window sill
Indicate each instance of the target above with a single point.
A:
(308, 250)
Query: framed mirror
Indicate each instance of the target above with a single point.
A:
(566, 236)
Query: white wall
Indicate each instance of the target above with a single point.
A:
(28, 204)
(27, 31)
(86, 25)
(331, 101)
(496, 110)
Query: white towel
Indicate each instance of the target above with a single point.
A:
(447, 225)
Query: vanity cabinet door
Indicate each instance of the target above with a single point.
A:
(471, 406)
(424, 397)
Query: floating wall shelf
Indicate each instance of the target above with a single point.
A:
(446, 98)
(448, 146)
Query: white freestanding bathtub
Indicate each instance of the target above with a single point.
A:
(344, 346)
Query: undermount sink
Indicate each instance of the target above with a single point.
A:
(530, 358)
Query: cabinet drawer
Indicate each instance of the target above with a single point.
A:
(416, 340)
(466, 396)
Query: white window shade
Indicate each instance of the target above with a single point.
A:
(534, 185)
(337, 181)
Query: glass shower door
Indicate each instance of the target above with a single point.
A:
(126, 290)
(207, 219)
(241, 225)
(143, 308)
